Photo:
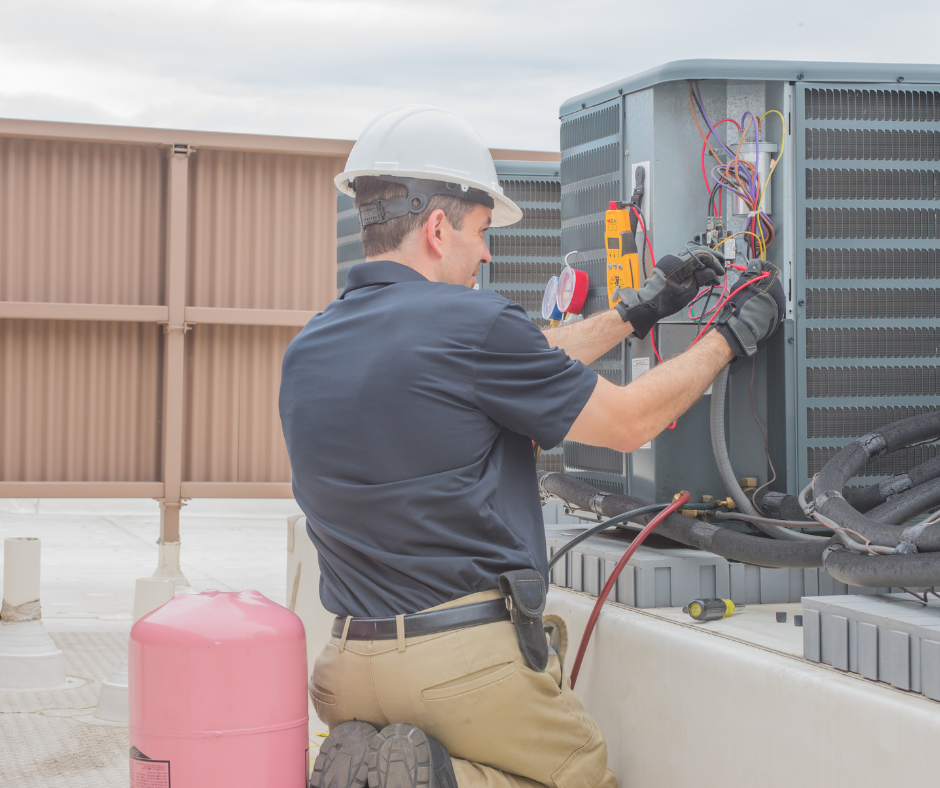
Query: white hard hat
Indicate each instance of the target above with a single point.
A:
(431, 144)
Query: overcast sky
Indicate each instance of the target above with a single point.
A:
(323, 68)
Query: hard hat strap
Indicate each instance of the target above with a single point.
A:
(419, 194)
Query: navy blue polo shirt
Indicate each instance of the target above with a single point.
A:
(409, 409)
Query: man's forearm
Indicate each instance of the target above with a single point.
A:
(588, 340)
(626, 417)
(668, 390)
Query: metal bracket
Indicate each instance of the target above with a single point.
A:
(168, 329)
(180, 149)
(596, 502)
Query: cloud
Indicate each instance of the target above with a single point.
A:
(324, 67)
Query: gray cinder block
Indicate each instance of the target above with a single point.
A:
(892, 638)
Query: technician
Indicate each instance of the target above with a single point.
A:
(409, 407)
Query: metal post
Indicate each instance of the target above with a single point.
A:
(177, 194)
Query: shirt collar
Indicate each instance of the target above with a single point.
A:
(379, 272)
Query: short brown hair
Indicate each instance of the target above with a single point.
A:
(388, 236)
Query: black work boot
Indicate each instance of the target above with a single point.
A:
(341, 762)
(403, 756)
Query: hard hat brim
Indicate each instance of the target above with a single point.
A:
(505, 211)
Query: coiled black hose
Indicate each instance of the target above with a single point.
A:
(830, 502)
(686, 530)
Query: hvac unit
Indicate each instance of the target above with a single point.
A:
(527, 253)
(853, 198)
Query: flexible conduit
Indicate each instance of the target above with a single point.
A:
(723, 461)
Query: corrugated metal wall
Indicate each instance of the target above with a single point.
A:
(81, 222)
(150, 281)
(108, 365)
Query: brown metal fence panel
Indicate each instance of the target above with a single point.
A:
(232, 431)
(150, 281)
(80, 401)
(262, 228)
(81, 222)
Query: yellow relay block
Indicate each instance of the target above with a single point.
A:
(623, 262)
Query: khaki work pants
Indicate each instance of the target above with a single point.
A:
(505, 725)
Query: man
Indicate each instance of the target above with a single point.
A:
(409, 407)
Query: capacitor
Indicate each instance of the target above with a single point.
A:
(711, 609)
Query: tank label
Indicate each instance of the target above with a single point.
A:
(148, 773)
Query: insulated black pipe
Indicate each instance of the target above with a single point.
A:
(850, 461)
(903, 507)
(879, 571)
(722, 541)
(868, 498)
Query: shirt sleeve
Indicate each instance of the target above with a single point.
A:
(525, 385)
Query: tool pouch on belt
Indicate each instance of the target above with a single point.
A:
(524, 591)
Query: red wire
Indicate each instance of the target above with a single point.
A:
(608, 586)
(738, 290)
(646, 235)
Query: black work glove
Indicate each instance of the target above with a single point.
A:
(675, 281)
(754, 313)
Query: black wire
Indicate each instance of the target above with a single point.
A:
(646, 230)
(654, 507)
(595, 529)
(764, 434)
(701, 317)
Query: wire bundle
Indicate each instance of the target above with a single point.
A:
(736, 175)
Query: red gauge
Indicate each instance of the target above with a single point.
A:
(572, 290)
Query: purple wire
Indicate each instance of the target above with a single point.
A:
(701, 107)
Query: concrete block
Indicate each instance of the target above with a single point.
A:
(899, 655)
(868, 650)
(812, 636)
(774, 585)
(930, 668)
(891, 638)
(576, 569)
(669, 577)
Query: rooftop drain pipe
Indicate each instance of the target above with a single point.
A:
(29, 659)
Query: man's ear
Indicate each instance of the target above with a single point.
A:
(434, 229)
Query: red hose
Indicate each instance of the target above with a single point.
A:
(602, 597)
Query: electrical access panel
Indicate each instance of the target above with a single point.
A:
(841, 188)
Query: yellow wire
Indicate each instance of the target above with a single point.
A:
(773, 167)
(763, 249)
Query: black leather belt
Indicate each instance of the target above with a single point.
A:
(429, 623)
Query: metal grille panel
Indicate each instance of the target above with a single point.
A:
(872, 145)
(877, 105)
(872, 184)
(855, 233)
(592, 176)
(870, 303)
(855, 382)
(890, 465)
(872, 263)
(872, 342)
(856, 422)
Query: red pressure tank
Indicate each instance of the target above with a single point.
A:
(218, 694)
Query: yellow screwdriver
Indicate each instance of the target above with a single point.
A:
(711, 609)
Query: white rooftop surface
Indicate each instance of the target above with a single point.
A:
(92, 553)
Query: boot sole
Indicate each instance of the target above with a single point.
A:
(399, 757)
(342, 760)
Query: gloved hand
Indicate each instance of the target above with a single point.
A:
(755, 312)
(675, 281)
